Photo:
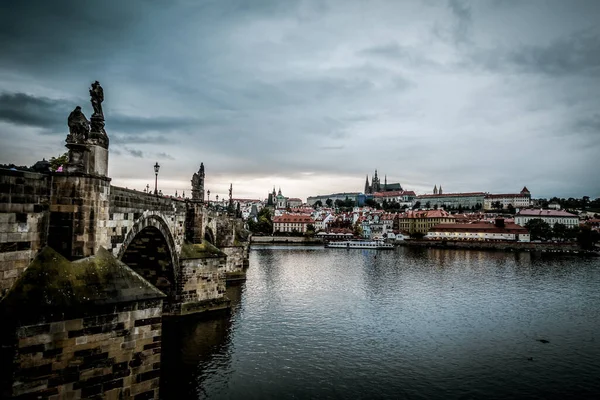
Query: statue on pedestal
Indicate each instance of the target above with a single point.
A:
(97, 133)
(198, 184)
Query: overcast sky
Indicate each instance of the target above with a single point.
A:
(311, 96)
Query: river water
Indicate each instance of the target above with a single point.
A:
(407, 323)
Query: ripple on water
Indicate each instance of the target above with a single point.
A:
(409, 323)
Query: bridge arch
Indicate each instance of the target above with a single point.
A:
(209, 236)
(149, 249)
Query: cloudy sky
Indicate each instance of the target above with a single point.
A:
(311, 96)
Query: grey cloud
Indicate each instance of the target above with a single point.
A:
(462, 12)
(51, 116)
(40, 112)
(578, 53)
(135, 153)
(165, 155)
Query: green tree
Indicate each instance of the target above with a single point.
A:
(318, 204)
(329, 203)
(539, 229)
(587, 238)
(264, 222)
(56, 162)
(417, 205)
(511, 209)
(560, 231)
(358, 231)
(428, 205)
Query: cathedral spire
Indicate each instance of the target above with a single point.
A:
(435, 189)
(367, 188)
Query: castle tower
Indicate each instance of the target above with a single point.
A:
(198, 184)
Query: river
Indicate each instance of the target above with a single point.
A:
(406, 323)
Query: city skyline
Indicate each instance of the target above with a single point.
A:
(310, 96)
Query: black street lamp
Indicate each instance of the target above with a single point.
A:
(156, 168)
(208, 196)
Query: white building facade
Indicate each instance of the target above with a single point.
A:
(549, 216)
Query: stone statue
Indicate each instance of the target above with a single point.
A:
(198, 184)
(97, 95)
(79, 126)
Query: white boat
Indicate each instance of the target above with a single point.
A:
(360, 244)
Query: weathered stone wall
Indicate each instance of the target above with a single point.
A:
(129, 208)
(24, 198)
(235, 266)
(114, 354)
(201, 284)
(79, 204)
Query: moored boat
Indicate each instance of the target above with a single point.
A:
(360, 244)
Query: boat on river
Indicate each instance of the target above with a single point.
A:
(360, 244)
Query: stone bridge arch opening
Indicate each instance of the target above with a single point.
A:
(149, 250)
(209, 236)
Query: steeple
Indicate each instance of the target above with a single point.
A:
(440, 191)
(385, 183)
(367, 188)
(435, 189)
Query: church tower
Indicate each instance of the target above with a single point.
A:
(198, 184)
(367, 187)
(435, 191)
(440, 191)
(375, 184)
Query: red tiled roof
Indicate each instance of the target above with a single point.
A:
(426, 214)
(394, 193)
(293, 218)
(479, 227)
(452, 195)
(545, 213)
(498, 196)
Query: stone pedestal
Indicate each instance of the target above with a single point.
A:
(88, 159)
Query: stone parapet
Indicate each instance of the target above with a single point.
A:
(24, 199)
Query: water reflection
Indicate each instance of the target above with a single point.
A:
(407, 323)
(195, 349)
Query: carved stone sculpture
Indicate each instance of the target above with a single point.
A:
(79, 126)
(97, 95)
(97, 133)
(198, 184)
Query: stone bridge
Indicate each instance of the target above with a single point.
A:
(88, 270)
(182, 247)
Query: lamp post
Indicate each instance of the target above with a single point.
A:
(208, 197)
(156, 168)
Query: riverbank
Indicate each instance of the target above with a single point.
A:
(559, 248)
(285, 240)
